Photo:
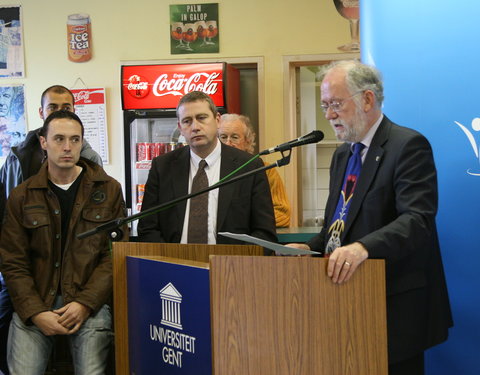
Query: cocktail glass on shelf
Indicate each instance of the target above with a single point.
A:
(349, 9)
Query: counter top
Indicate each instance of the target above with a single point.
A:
(296, 234)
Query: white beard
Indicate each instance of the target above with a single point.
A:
(355, 131)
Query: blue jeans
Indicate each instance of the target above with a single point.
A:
(29, 349)
(5, 317)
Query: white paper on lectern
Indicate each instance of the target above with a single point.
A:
(279, 249)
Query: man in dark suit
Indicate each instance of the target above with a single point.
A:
(241, 207)
(390, 214)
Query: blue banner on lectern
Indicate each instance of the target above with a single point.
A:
(168, 318)
(429, 56)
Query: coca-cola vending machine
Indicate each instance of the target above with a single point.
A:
(150, 94)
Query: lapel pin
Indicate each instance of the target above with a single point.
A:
(377, 158)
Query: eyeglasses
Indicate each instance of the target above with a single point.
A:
(336, 105)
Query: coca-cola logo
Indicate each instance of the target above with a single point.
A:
(181, 84)
(137, 86)
(162, 86)
(81, 95)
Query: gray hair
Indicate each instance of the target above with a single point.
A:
(359, 77)
(249, 131)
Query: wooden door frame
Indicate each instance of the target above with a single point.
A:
(290, 105)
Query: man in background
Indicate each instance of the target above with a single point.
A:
(241, 207)
(22, 162)
(382, 204)
(237, 131)
(59, 284)
(25, 159)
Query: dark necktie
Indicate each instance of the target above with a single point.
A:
(352, 173)
(198, 219)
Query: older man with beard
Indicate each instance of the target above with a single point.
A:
(382, 204)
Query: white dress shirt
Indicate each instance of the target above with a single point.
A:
(367, 140)
(213, 174)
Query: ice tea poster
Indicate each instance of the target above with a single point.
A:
(194, 28)
(11, 44)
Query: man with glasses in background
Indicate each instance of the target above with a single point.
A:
(237, 131)
(382, 204)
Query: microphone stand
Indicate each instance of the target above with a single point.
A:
(113, 226)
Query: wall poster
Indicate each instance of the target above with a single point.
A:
(194, 28)
(90, 107)
(11, 42)
(12, 118)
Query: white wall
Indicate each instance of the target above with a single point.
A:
(124, 30)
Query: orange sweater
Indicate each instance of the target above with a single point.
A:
(279, 198)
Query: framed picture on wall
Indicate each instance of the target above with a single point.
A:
(12, 118)
(194, 28)
(11, 42)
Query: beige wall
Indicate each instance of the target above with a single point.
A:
(139, 30)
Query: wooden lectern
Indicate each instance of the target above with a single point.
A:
(274, 315)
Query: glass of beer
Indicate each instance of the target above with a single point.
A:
(202, 31)
(189, 35)
(177, 34)
(349, 9)
(212, 31)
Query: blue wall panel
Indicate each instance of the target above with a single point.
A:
(429, 52)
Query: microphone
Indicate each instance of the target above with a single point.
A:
(313, 137)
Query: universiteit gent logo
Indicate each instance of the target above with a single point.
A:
(174, 343)
(473, 143)
(171, 301)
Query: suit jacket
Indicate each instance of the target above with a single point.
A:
(393, 215)
(243, 207)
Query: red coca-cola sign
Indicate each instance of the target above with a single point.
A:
(138, 86)
(88, 96)
(162, 86)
